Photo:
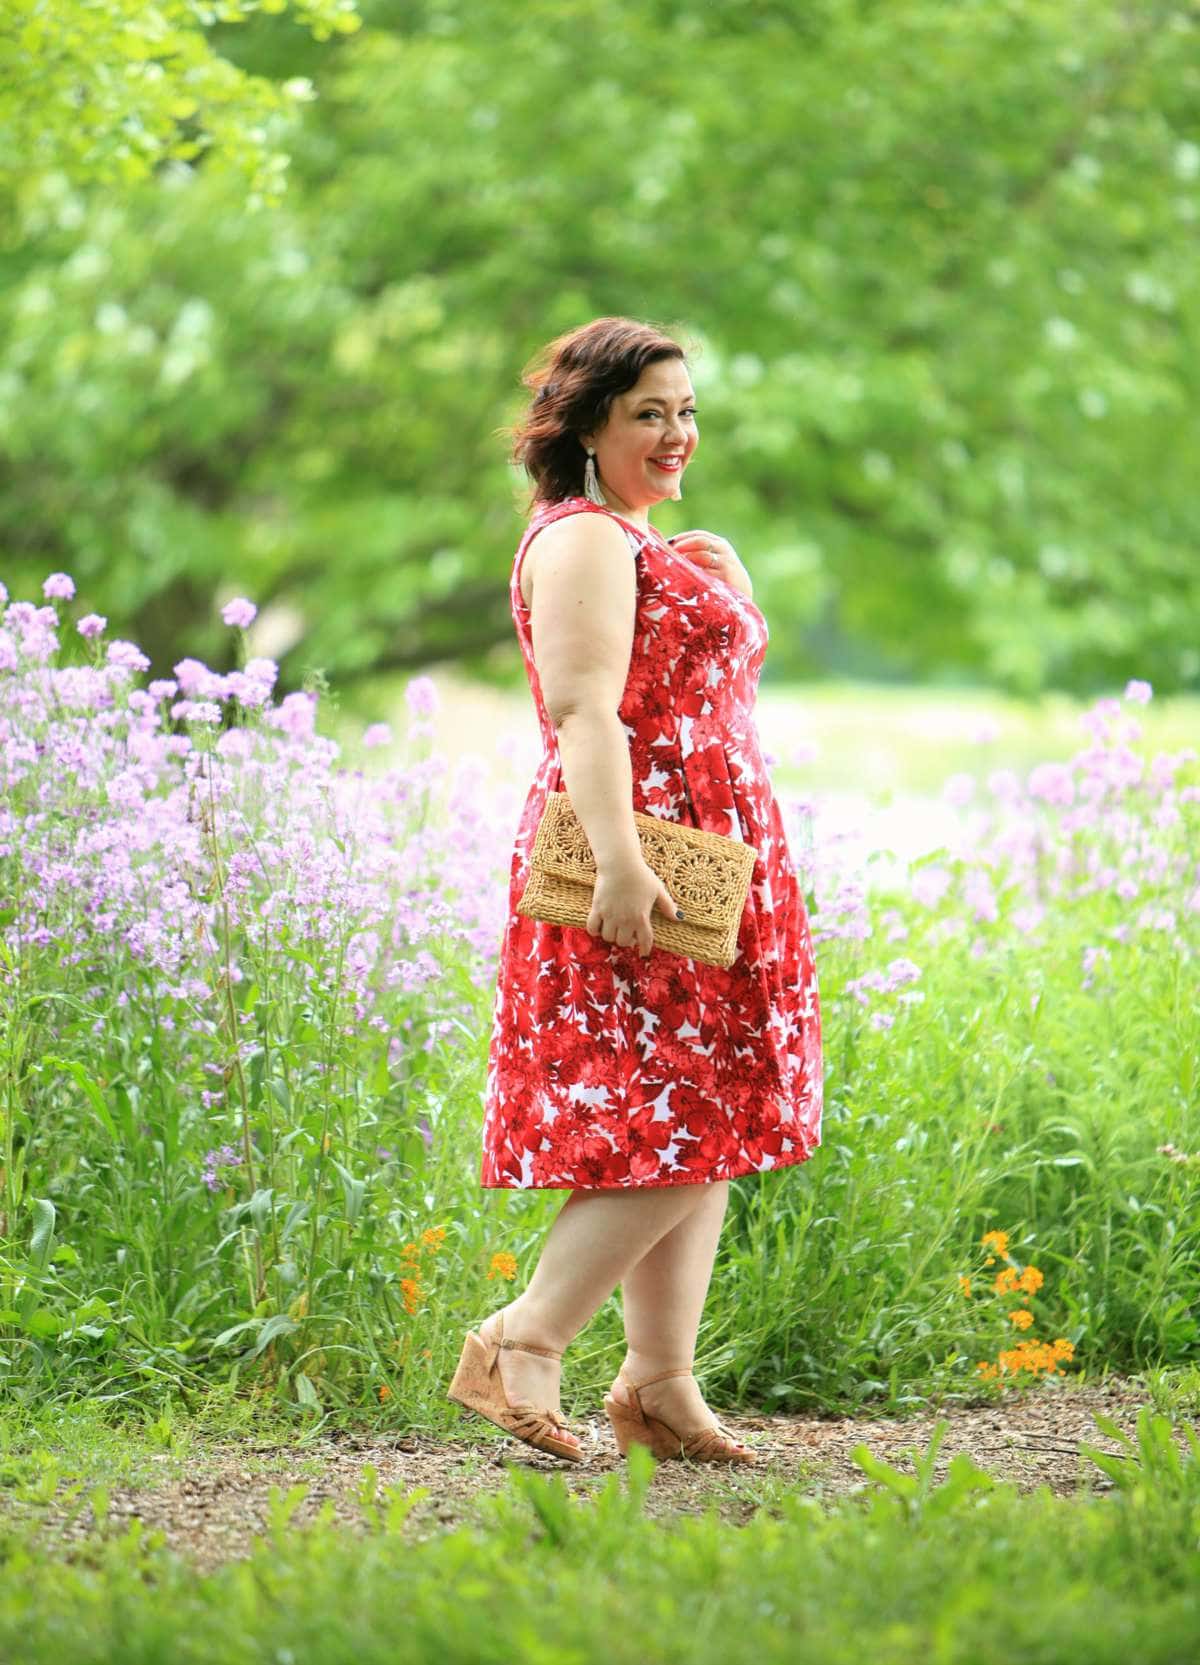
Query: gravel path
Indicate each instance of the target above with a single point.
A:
(211, 1504)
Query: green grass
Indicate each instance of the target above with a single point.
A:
(912, 1568)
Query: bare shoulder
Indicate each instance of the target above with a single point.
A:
(581, 538)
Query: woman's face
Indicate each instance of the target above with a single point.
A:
(648, 439)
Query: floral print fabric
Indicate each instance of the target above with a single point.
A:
(606, 1070)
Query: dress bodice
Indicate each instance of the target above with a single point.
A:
(688, 703)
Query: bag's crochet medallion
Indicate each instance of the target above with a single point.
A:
(606, 1070)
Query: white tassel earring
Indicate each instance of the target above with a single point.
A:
(591, 485)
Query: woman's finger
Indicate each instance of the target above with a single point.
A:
(702, 540)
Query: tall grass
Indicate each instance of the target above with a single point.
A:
(246, 995)
(957, 1569)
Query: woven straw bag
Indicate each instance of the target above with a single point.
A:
(708, 874)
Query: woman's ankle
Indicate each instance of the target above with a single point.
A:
(639, 1367)
(524, 1321)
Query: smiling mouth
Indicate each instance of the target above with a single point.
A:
(669, 465)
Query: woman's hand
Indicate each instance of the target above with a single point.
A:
(715, 555)
(622, 903)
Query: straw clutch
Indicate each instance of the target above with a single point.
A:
(707, 873)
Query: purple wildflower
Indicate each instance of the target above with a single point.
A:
(127, 656)
(295, 715)
(239, 613)
(193, 676)
(422, 696)
(1053, 782)
(225, 1157)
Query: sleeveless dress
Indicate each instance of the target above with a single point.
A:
(606, 1070)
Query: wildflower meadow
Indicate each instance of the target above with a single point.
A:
(247, 990)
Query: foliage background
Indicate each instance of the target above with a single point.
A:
(937, 260)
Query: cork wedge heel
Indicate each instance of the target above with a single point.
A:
(632, 1425)
(477, 1386)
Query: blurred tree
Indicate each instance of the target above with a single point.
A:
(938, 260)
(106, 90)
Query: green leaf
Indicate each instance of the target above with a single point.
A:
(95, 1098)
(306, 1393)
(260, 1210)
(274, 1327)
(43, 1322)
(40, 1243)
(904, 1486)
(354, 1191)
(1107, 1426)
(227, 1336)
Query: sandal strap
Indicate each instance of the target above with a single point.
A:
(525, 1346)
(710, 1442)
(529, 1415)
(661, 1377)
(529, 1347)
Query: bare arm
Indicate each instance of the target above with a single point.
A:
(584, 598)
(583, 611)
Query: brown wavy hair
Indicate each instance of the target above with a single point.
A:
(574, 380)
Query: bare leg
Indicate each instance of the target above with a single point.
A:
(664, 1295)
(596, 1237)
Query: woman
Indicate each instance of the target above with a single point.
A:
(640, 1080)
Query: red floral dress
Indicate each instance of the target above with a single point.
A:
(606, 1070)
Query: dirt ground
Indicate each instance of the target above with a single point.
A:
(209, 1507)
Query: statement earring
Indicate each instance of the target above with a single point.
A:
(591, 485)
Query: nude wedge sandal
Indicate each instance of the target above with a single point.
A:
(477, 1385)
(631, 1425)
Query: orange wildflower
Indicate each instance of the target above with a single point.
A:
(1028, 1354)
